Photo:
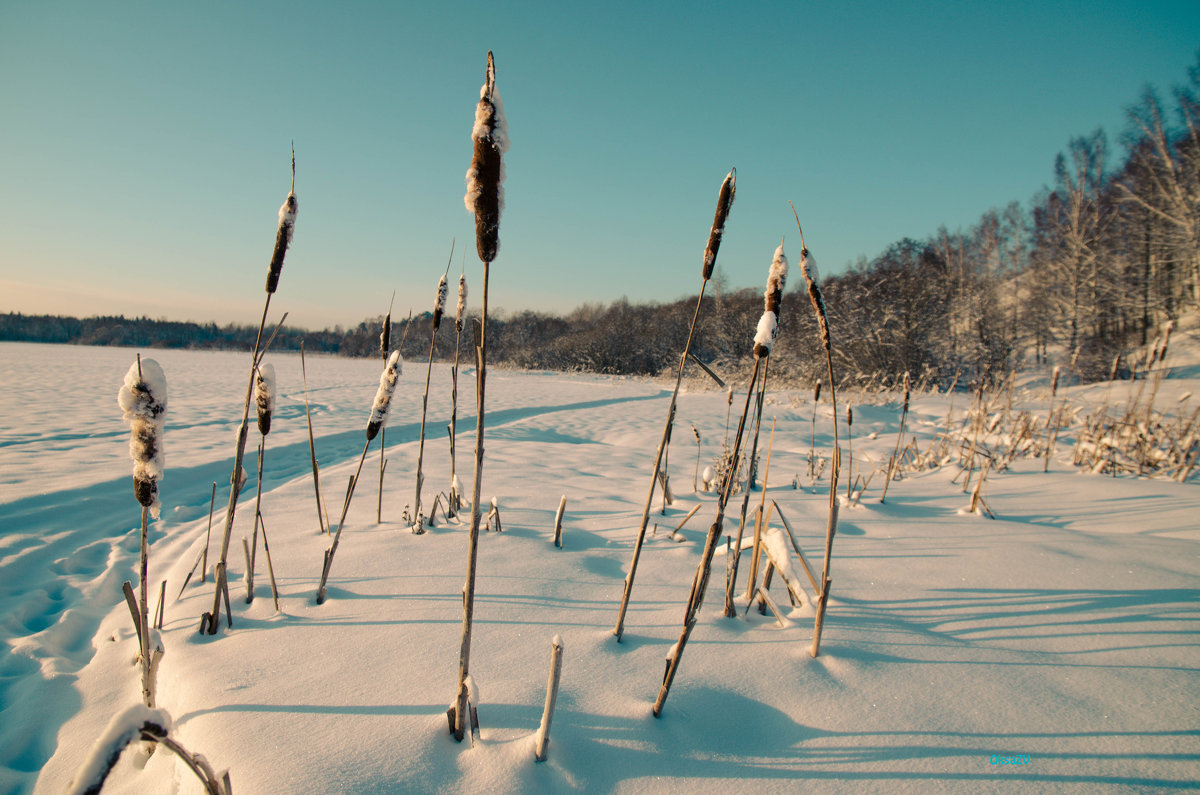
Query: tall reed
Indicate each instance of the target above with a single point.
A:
(143, 399)
(379, 413)
(724, 202)
(283, 239)
(484, 198)
(385, 344)
(439, 307)
(454, 498)
(264, 401)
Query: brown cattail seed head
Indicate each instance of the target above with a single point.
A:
(385, 337)
(439, 304)
(383, 397)
(768, 324)
(849, 415)
(724, 202)
(461, 310)
(283, 238)
(485, 177)
(906, 390)
(143, 399)
(264, 396)
(1112, 376)
(817, 392)
(807, 265)
(1054, 383)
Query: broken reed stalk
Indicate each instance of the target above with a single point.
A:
(543, 733)
(454, 498)
(385, 344)
(818, 304)
(894, 462)
(764, 339)
(378, 419)
(283, 238)
(724, 202)
(143, 401)
(439, 306)
(322, 525)
(558, 519)
(485, 199)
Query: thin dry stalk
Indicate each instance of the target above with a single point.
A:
(385, 344)
(758, 521)
(724, 202)
(322, 525)
(894, 462)
(558, 519)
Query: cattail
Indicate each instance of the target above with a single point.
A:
(808, 268)
(143, 398)
(817, 392)
(461, 311)
(724, 202)
(768, 324)
(264, 396)
(1162, 353)
(906, 391)
(383, 398)
(849, 415)
(1112, 375)
(283, 236)
(385, 337)
(439, 306)
(485, 177)
(1054, 383)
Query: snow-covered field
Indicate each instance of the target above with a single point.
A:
(1063, 636)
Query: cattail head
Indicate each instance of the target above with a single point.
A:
(264, 396)
(768, 324)
(1054, 382)
(1162, 352)
(283, 239)
(385, 337)
(461, 311)
(485, 177)
(817, 392)
(729, 396)
(849, 415)
(439, 304)
(696, 433)
(143, 399)
(724, 202)
(1112, 376)
(906, 386)
(808, 268)
(383, 397)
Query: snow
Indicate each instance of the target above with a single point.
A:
(124, 727)
(1065, 631)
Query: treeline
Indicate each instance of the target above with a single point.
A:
(1092, 268)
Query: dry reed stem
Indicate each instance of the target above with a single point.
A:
(322, 525)
(724, 200)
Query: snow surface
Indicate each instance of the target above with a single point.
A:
(1065, 632)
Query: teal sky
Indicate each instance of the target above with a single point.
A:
(144, 147)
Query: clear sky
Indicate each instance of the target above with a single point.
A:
(144, 147)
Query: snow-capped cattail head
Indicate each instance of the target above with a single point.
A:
(439, 305)
(283, 239)
(461, 311)
(768, 324)
(143, 399)
(383, 397)
(264, 396)
(485, 177)
(808, 269)
(724, 202)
